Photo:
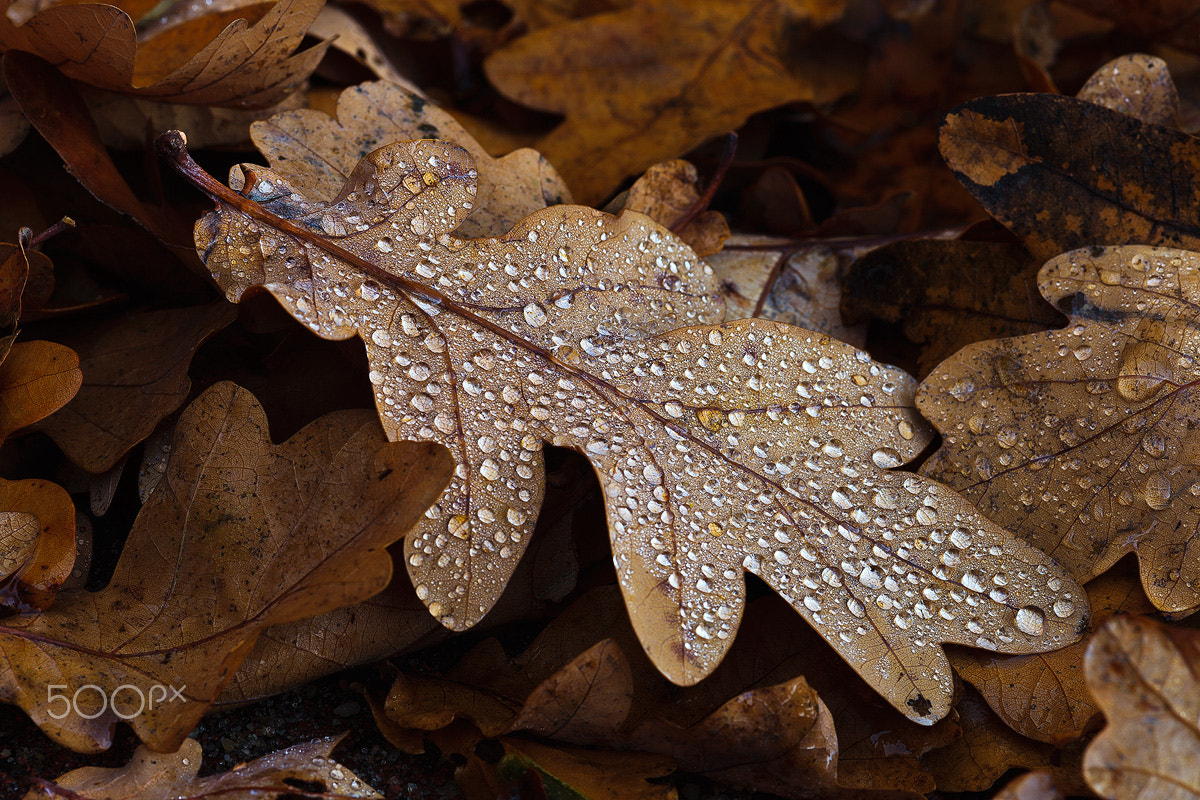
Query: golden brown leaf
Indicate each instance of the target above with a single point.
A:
(153, 776)
(668, 194)
(42, 515)
(242, 66)
(316, 154)
(1063, 173)
(1044, 696)
(650, 82)
(1143, 675)
(987, 749)
(749, 446)
(134, 375)
(36, 379)
(239, 535)
(1137, 85)
(1080, 440)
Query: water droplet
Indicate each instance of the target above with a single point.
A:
(422, 402)
(870, 577)
(489, 469)
(1158, 491)
(833, 448)
(674, 409)
(960, 538)
(1142, 372)
(535, 315)
(886, 458)
(972, 581)
(385, 245)
(841, 498)
(710, 418)
(515, 516)
(1007, 437)
(927, 515)
(963, 389)
(1154, 445)
(457, 526)
(1063, 608)
(1031, 620)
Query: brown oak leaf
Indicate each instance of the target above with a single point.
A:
(240, 534)
(1080, 440)
(1044, 696)
(37, 547)
(243, 66)
(135, 373)
(153, 776)
(1143, 676)
(644, 84)
(750, 446)
(316, 153)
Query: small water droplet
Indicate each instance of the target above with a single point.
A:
(1158, 491)
(963, 389)
(1063, 608)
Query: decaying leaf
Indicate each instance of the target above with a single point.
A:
(650, 82)
(134, 375)
(243, 66)
(1063, 173)
(1044, 696)
(239, 535)
(153, 776)
(317, 153)
(947, 294)
(1143, 675)
(721, 449)
(1079, 440)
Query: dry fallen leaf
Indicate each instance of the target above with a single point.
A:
(1137, 85)
(721, 449)
(239, 535)
(670, 195)
(647, 83)
(39, 518)
(243, 66)
(317, 153)
(947, 294)
(1143, 676)
(134, 375)
(36, 379)
(154, 776)
(1079, 440)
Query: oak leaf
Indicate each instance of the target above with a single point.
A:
(1080, 440)
(135, 373)
(644, 84)
(749, 446)
(243, 66)
(153, 776)
(1063, 173)
(39, 536)
(947, 294)
(669, 193)
(316, 153)
(1143, 676)
(239, 535)
(1044, 696)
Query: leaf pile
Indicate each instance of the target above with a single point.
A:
(839, 446)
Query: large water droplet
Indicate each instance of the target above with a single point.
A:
(535, 315)
(1158, 491)
(886, 458)
(1031, 620)
(1143, 371)
(1063, 608)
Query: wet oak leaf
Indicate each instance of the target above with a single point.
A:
(1063, 173)
(750, 446)
(1044, 696)
(135, 373)
(650, 82)
(316, 153)
(1079, 440)
(240, 534)
(244, 66)
(1137, 85)
(154, 776)
(1143, 676)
